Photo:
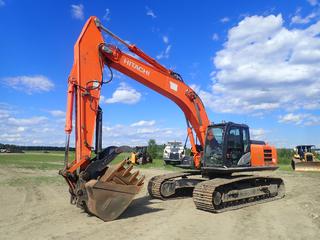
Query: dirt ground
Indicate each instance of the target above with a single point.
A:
(32, 210)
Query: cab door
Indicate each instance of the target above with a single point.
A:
(237, 144)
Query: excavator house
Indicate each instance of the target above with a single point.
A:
(219, 151)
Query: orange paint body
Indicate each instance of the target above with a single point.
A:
(263, 155)
(87, 67)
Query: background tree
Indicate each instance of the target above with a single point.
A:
(152, 148)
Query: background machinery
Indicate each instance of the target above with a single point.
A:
(218, 150)
(140, 155)
(304, 159)
(173, 153)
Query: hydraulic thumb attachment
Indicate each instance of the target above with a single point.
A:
(102, 190)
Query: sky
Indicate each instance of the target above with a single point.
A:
(252, 62)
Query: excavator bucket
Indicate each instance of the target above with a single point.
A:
(300, 166)
(110, 195)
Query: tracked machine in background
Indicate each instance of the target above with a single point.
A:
(304, 159)
(218, 150)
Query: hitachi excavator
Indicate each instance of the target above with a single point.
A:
(219, 151)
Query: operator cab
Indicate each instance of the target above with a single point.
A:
(305, 148)
(227, 146)
(302, 150)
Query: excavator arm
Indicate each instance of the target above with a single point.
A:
(85, 81)
(94, 185)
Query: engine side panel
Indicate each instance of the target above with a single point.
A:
(263, 155)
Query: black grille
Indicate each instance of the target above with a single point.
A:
(174, 155)
(267, 155)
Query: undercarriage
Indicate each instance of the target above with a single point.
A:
(220, 194)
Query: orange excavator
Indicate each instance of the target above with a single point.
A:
(219, 151)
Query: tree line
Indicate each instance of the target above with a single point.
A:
(17, 148)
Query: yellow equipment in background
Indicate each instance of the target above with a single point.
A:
(140, 155)
(304, 159)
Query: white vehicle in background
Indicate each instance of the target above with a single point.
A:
(173, 153)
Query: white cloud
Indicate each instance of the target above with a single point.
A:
(37, 141)
(139, 134)
(57, 113)
(150, 12)
(291, 118)
(106, 16)
(9, 138)
(215, 37)
(29, 131)
(257, 134)
(77, 11)
(164, 54)
(20, 129)
(29, 84)
(195, 87)
(143, 123)
(102, 99)
(2, 3)
(4, 113)
(124, 94)
(297, 19)
(26, 121)
(300, 119)
(46, 130)
(265, 66)
(225, 19)
(165, 39)
(313, 2)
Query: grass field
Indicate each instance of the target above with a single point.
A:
(54, 160)
(39, 160)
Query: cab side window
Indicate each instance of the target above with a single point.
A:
(234, 138)
(245, 138)
(234, 146)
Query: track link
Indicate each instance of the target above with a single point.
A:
(154, 185)
(220, 195)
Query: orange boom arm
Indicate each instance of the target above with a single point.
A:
(85, 81)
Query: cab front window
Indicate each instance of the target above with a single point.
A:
(213, 147)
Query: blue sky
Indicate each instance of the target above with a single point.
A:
(253, 62)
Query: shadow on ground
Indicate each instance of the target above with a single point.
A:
(140, 206)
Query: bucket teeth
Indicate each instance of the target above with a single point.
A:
(140, 181)
(133, 177)
(127, 171)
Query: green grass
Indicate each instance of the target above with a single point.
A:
(54, 160)
(284, 156)
(33, 160)
(285, 167)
